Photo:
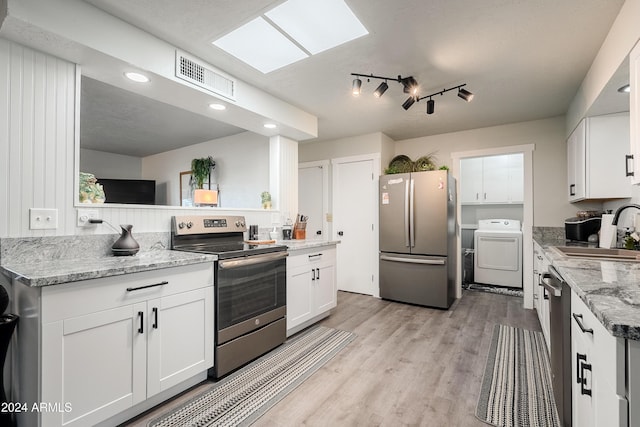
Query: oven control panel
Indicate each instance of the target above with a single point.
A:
(206, 224)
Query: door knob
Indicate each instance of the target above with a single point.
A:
(340, 233)
(319, 232)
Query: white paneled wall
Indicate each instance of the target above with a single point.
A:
(37, 97)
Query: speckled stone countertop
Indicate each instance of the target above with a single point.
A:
(611, 289)
(59, 271)
(296, 245)
(44, 261)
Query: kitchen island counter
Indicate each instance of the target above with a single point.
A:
(610, 289)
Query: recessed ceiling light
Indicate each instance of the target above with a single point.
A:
(317, 25)
(270, 125)
(261, 46)
(218, 107)
(625, 89)
(137, 77)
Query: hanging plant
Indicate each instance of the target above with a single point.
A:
(201, 169)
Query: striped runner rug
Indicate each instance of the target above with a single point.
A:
(516, 388)
(242, 397)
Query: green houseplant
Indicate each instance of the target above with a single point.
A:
(200, 170)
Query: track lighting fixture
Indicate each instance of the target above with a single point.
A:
(465, 94)
(381, 89)
(431, 106)
(410, 86)
(355, 88)
(409, 102)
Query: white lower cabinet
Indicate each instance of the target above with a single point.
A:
(311, 286)
(109, 344)
(598, 369)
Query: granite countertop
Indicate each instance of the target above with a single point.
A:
(57, 271)
(611, 289)
(296, 245)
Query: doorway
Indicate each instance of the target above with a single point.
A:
(526, 152)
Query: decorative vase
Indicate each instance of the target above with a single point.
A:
(126, 244)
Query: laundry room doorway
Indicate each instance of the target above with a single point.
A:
(494, 184)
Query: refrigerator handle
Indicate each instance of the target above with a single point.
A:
(412, 232)
(407, 205)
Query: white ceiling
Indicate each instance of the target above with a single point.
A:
(523, 59)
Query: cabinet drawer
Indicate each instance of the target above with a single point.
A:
(607, 352)
(312, 257)
(89, 296)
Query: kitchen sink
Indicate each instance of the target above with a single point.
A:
(599, 253)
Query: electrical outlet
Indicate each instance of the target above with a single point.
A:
(43, 219)
(84, 215)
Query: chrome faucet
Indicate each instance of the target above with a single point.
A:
(616, 216)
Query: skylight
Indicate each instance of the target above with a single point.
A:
(292, 31)
(260, 45)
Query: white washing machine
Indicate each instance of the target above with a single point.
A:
(498, 253)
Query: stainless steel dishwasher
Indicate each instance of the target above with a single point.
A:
(560, 341)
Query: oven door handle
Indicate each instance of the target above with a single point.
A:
(251, 260)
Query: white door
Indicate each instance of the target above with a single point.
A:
(355, 217)
(313, 196)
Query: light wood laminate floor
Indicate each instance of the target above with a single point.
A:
(408, 366)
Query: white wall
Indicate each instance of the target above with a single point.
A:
(622, 36)
(551, 207)
(345, 147)
(242, 168)
(37, 97)
(109, 165)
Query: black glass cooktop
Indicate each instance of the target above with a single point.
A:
(227, 250)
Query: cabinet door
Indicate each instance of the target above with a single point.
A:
(96, 363)
(576, 158)
(180, 338)
(299, 295)
(325, 291)
(515, 180)
(582, 405)
(634, 112)
(495, 179)
(471, 180)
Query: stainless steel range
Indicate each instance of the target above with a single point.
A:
(250, 287)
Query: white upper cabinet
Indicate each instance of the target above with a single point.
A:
(492, 179)
(634, 110)
(596, 152)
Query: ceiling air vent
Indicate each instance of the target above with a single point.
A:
(204, 75)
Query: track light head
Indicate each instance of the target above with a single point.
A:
(431, 106)
(465, 94)
(409, 102)
(381, 89)
(410, 85)
(355, 88)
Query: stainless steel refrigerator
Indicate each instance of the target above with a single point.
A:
(417, 238)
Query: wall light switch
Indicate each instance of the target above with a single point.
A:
(43, 219)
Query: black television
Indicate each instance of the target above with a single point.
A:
(131, 191)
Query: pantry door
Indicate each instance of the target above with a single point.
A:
(355, 215)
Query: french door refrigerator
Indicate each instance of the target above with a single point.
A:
(417, 238)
